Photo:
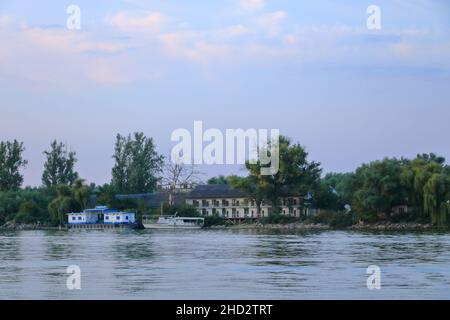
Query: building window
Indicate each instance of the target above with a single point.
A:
(126, 217)
(79, 218)
(117, 218)
(107, 218)
(73, 218)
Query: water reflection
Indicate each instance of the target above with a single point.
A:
(223, 264)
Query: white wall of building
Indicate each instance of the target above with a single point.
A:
(119, 218)
(243, 207)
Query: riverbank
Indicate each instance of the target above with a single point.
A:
(385, 226)
(29, 226)
(297, 226)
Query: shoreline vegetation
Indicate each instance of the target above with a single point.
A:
(387, 194)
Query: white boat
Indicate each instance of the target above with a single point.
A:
(172, 222)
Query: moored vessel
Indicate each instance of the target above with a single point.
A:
(172, 222)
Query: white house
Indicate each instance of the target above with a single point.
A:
(85, 217)
(119, 217)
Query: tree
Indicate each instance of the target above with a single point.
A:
(81, 193)
(415, 176)
(326, 197)
(177, 175)
(11, 161)
(137, 164)
(62, 204)
(29, 212)
(296, 175)
(379, 188)
(59, 166)
(436, 198)
(218, 180)
(68, 199)
(253, 186)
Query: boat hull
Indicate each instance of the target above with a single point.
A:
(168, 226)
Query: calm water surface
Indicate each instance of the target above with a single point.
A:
(222, 264)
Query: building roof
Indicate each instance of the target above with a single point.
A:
(154, 200)
(212, 191)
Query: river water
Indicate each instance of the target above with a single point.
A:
(223, 264)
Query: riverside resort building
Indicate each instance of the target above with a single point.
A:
(224, 201)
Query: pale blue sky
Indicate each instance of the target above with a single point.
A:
(309, 68)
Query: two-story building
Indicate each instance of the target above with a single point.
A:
(229, 203)
(222, 200)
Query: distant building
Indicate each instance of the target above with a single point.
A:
(224, 201)
(82, 218)
(100, 215)
(229, 203)
(401, 209)
(119, 218)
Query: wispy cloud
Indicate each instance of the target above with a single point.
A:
(138, 21)
(272, 22)
(57, 56)
(251, 5)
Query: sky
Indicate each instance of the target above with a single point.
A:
(311, 69)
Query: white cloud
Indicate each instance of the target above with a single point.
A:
(234, 31)
(138, 21)
(66, 41)
(272, 22)
(251, 5)
(194, 46)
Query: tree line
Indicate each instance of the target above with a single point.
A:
(137, 167)
(369, 194)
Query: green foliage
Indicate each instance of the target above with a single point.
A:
(334, 219)
(137, 164)
(59, 166)
(106, 195)
(378, 188)
(296, 175)
(11, 203)
(436, 198)
(214, 220)
(184, 210)
(218, 180)
(326, 197)
(68, 199)
(278, 218)
(29, 212)
(426, 179)
(11, 162)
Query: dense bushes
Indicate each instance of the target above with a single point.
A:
(278, 219)
(27, 206)
(333, 218)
